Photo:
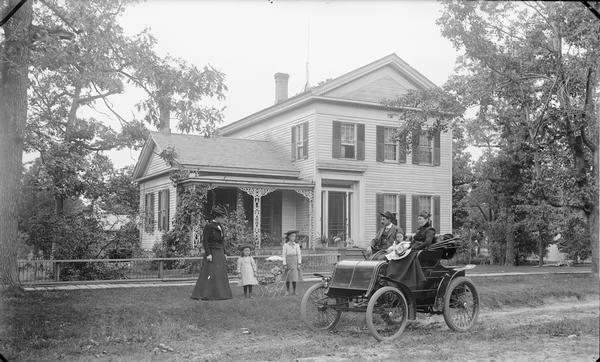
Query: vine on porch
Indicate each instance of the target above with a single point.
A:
(189, 216)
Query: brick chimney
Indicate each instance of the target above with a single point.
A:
(281, 87)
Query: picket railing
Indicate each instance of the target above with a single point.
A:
(148, 269)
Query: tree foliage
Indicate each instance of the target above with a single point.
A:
(531, 70)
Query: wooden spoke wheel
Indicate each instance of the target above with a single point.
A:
(461, 304)
(387, 313)
(318, 310)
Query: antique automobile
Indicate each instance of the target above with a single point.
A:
(361, 286)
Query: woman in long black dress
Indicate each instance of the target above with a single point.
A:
(213, 283)
(408, 270)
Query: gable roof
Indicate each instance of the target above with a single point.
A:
(320, 92)
(219, 154)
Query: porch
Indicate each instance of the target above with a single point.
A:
(271, 207)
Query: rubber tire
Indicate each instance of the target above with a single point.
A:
(371, 306)
(447, 317)
(304, 311)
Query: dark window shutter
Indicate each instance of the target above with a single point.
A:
(336, 141)
(305, 140)
(378, 209)
(150, 212)
(167, 209)
(415, 212)
(293, 143)
(402, 151)
(380, 143)
(416, 133)
(402, 212)
(360, 145)
(436, 148)
(436, 214)
(160, 210)
(146, 212)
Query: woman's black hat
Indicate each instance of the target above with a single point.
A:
(425, 214)
(219, 210)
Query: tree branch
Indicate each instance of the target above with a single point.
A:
(482, 213)
(137, 82)
(588, 107)
(101, 95)
(58, 14)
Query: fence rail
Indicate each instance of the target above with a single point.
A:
(72, 270)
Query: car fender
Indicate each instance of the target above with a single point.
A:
(441, 289)
(408, 294)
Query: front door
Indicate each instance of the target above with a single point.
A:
(336, 214)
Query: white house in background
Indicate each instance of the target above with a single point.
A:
(321, 162)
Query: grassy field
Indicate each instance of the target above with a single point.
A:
(164, 323)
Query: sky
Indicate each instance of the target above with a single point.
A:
(251, 40)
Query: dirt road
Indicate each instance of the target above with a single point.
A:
(564, 330)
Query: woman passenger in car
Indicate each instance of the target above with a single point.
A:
(425, 233)
(407, 268)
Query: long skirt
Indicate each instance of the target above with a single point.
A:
(407, 270)
(213, 283)
(293, 274)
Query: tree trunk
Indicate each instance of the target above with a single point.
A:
(541, 250)
(593, 220)
(510, 241)
(14, 61)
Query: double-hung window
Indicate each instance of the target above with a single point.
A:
(425, 149)
(390, 146)
(348, 140)
(300, 141)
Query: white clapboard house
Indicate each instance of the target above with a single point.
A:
(321, 162)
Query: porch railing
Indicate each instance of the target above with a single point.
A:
(148, 269)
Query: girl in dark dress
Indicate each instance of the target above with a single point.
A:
(408, 270)
(213, 283)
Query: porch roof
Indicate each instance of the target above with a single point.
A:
(219, 154)
(241, 181)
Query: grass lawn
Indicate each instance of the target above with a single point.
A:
(145, 323)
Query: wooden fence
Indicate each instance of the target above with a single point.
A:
(149, 269)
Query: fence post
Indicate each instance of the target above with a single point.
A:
(57, 271)
(160, 269)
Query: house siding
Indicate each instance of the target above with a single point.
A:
(278, 131)
(385, 177)
(155, 165)
(148, 239)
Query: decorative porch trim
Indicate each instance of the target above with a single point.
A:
(309, 194)
(257, 193)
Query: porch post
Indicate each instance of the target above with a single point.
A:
(256, 226)
(257, 193)
(309, 194)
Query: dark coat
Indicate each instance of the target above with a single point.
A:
(213, 238)
(213, 282)
(424, 237)
(384, 239)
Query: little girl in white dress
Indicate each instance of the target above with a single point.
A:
(246, 268)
